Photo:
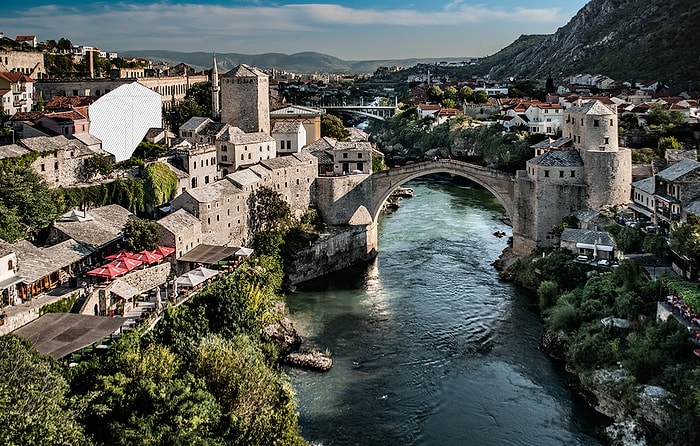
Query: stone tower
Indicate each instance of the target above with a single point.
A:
(592, 127)
(215, 107)
(585, 169)
(245, 103)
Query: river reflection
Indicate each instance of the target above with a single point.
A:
(429, 347)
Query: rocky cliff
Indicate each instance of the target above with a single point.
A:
(623, 39)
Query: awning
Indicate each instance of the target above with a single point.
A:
(193, 278)
(123, 289)
(60, 334)
(598, 247)
(244, 252)
(639, 209)
(7, 283)
(209, 254)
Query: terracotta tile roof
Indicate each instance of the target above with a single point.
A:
(15, 77)
(65, 102)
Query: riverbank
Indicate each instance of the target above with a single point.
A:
(622, 371)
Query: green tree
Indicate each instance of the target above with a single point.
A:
(548, 292)
(26, 195)
(481, 97)
(268, 211)
(98, 164)
(549, 86)
(34, 397)
(660, 116)
(451, 93)
(466, 94)
(435, 94)
(141, 235)
(64, 45)
(685, 237)
(183, 111)
(448, 103)
(11, 227)
(668, 143)
(258, 400)
(333, 127)
(201, 94)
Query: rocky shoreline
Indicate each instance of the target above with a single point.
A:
(288, 342)
(633, 419)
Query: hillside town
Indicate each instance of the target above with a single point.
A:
(89, 132)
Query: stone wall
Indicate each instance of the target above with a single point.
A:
(31, 63)
(341, 200)
(608, 176)
(355, 244)
(245, 103)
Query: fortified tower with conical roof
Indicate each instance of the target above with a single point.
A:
(245, 99)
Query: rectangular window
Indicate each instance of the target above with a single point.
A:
(345, 155)
(546, 174)
(561, 174)
(607, 140)
(573, 174)
(596, 123)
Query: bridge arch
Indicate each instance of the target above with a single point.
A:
(499, 183)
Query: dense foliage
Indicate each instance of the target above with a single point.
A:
(140, 235)
(27, 205)
(36, 406)
(160, 184)
(652, 352)
(458, 137)
(333, 127)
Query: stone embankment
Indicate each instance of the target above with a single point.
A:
(289, 341)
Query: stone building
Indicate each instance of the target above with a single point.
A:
(290, 136)
(238, 149)
(27, 62)
(245, 99)
(336, 158)
(309, 117)
(17, 92)
(172, 89)
(587, 170)
(180, 230)
(60, 161)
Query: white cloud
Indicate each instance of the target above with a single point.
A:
(191, 27)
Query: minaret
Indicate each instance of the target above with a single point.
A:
(215, 108)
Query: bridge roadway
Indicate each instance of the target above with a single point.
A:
(499, 183)
(380, 112)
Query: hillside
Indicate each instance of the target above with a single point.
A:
(306, 62)
(624, 39)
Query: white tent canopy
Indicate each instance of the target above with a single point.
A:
(193, 278)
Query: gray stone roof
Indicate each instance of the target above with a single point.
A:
(213, 128)
(106, 226)
(35, 263)
(89, 140)
(587, 236)
(178, 221)
(212, 191)
(286, 127)
(194, 123)
(592, 107)
(587, 215)
(244, 70)
(280, 162)
(12, 151)
(545, 144)
(323, 156)
(693, 207)
(324, 143)
(678, 170)
(44, 144)
(647, 185)
(353, 145)
(249, 138)
(243, 178)
(559, 158)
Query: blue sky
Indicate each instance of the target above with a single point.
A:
(350, 30)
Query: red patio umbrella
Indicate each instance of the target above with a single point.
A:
(121, 254)
(126, 263)
(147, 257)
(108, 271)
(165, 251)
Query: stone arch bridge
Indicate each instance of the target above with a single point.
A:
(499, 183)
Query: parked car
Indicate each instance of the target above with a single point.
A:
(603, 262)
(582, 258)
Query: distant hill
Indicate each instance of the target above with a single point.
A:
(623, 39)
(305, 62)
